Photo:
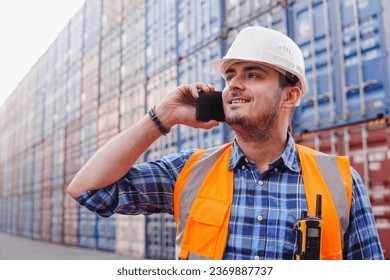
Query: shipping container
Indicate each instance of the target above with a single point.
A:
(56, 215)
(46, 213)
(59, 94)
(62, 51)
(132, 106)
(87, 230)
(89, 96)
(72, 151)
(383, 225)
(108, 121)
(27, 172)
(73, 94)
(129, 6)
(132, 68)
(106, 233)
(70, 220)
(199, 23)
(88, 136)
(76, 36)
(1, 180)
(110, 65)
(25, 215)
(368, 146)
(72, 165)
(239, 11)
(17, 174)
(38, 168)
(161, 36)
(7, 164)
(58, 159)
(130, 236)
(10, 206)
(36, 227)
(346, 59)
(92, 24)
(112, 15)
(87, 221)
(160, 237)
(27, 110)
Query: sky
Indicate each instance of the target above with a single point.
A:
(27, 28)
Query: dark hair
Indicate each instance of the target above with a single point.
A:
(285, 81)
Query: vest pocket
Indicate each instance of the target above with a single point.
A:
(205, 224)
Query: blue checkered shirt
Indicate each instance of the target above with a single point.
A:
(265, 209)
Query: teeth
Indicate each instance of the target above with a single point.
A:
(239, 101)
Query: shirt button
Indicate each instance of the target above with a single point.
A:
(276, 169)
(261, 182)
(243, 167)
(256, 258)
(259, 218)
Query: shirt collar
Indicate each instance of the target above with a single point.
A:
(288, 158)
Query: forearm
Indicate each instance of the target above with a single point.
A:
(113, 160)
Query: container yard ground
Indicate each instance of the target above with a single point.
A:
(19, 248)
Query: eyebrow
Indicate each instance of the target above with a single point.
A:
(246, 69)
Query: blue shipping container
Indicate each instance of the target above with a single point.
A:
(161, 38)
(347, 61)
(92, 23)
(198, 24)
(160, 237)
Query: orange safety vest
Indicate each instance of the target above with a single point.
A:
(203, 197)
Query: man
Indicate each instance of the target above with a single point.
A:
(242, 200)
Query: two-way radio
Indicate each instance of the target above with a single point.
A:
(310, 234)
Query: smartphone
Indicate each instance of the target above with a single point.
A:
(209, 107)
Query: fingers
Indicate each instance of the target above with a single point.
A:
(205, 87)
(194, 88)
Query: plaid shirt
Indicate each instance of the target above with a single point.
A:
(265, 209)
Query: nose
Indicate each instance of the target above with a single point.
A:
(236, 83)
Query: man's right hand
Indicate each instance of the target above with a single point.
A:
(179, 107)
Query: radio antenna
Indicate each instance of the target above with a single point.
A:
(319, 206)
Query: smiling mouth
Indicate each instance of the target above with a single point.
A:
(238, 101)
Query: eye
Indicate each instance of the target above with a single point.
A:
(228, 78)
(253, 75)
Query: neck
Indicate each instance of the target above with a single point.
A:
(263, 152)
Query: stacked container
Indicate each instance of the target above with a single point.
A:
(346, 109)
(87, 230)
(347, 61)
(72, 165)
(130, 230)
(116, 59)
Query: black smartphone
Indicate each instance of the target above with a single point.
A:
(209, 107)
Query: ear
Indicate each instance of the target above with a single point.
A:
(291, 96)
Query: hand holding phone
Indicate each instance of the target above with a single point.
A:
(209, 106)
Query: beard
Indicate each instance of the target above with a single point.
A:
(253, 128)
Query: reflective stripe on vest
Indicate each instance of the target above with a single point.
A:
(204, 193)
(207, 217)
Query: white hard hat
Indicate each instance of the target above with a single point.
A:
(266, 46)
